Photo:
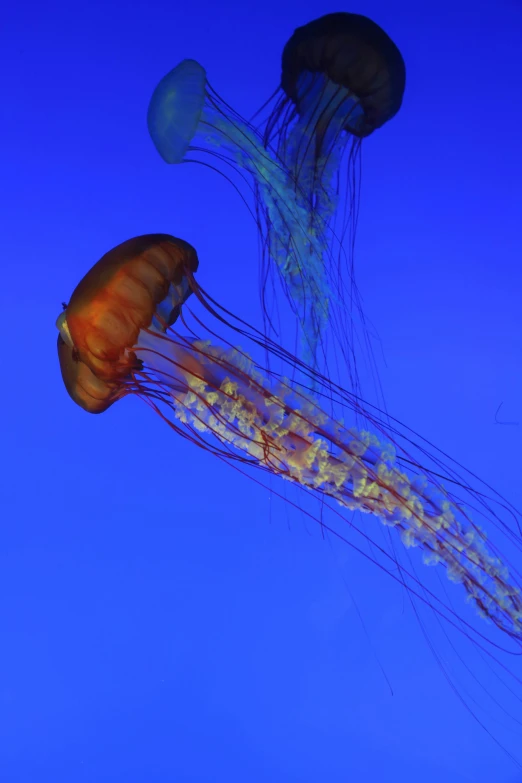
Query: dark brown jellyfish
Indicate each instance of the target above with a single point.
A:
(342, 78)
(355, 61)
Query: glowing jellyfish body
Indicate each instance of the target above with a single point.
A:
(186, 116)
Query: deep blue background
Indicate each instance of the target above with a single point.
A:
(158, 622)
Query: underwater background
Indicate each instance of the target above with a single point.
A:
(162, 617)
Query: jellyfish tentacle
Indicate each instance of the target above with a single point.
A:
(226, 397)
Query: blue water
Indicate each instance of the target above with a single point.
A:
(162, 617)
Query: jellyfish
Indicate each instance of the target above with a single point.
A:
(129, 330)
(117, 337)
(342, 78)
(189, 122)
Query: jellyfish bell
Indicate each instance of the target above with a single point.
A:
(175, 110)
(342, 77)
(354, 54)
(136, 289)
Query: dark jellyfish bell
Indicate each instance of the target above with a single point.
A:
(355, 53)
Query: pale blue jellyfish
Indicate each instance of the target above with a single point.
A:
(189, 122)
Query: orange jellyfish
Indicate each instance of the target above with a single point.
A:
(128, 330)
(116, 338)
